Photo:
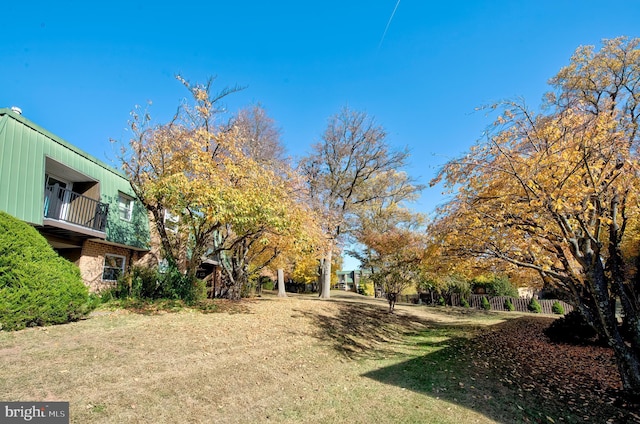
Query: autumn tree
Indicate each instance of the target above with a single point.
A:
(381, 215)
(391, 244)
(275, 225)
(261, 142)
(557, 193)
(397, 256)
(233, 200)
(160, 163)
(282, 227)
(351, 167)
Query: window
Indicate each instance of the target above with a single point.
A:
(171, 221)
(125, 206)
(163, 266)
(113, 267)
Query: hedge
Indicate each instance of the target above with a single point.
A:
(37, 287)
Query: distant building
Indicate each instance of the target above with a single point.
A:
(350, 280)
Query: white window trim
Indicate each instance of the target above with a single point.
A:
(122, 206)
(163, 266)
(104, 265)
(172, 221)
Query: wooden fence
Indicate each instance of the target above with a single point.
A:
(520, 304)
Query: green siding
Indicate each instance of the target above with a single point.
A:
(19, 195)
(24, 147)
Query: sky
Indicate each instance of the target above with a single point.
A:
(419, 67)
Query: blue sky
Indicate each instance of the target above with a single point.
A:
(78, 69)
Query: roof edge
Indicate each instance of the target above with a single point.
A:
(59, 140)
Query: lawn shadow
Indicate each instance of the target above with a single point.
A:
(507, 371)
(360, 330)
(167, 306)
(449, 375)
(514, 382)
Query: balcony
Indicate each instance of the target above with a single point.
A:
(71, 211)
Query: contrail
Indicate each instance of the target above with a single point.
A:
(388, 23)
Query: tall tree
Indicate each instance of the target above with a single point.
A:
(351, 167)
(282, 227)
(234, 201)
(557, 193)
(161, 162)
(260, 136)
(397, 257)
(381, 216)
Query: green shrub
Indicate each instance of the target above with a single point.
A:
(464, 303)
(148, 283)
(37, 287)
(176, 285)
(365, 287)
(485, 304)
(267, 284)
(456, 284)
(139, 283)
(494, 285)
(441, 301)
(557, 308)
(572, 328)
(508, 305)
(96, 300)
(534, 306)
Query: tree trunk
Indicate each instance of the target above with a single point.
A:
(281, 291)
(235, 278)
(235, 288)
(629, 367)
(325, 288)
(598, 308)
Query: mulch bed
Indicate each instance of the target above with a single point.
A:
(570, 380)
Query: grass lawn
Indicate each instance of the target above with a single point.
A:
(298, 359)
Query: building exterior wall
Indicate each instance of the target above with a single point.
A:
(24, 149)
(153, 256)
(25, 152)
(92, 262)
(350, 280)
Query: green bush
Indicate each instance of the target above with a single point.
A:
(508, 305)
(534, 306)
(365, 287)
(441, 301)
(572, 328)
(176, 285)
(139, 283)
(37, 287)
(148, 283)
(267, 283)
(494, 285)
(485, 304)
(557, 308)
(458, 285)
(464, 303)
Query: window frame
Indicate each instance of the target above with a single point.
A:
(106, 267)
(122, 206)
(171, 221)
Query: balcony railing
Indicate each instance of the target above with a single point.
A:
(68, 206)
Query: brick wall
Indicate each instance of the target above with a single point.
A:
(153, 256)
(91, 263)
